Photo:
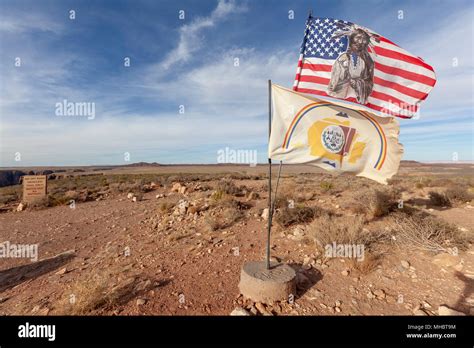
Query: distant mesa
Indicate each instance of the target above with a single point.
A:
(411, 162)
(143, 164)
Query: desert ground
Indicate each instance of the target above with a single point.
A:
(171, 240)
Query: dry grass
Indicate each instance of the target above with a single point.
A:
(228, 187)
(224, 220)
(100, 290)
(439, 199)
(374, 203)
(459, 194)
(297, 215)
(166, 207)
(426, 232)
(328, 229)
(326, 186)
(368, 264)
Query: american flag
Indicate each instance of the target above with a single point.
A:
(399, 80)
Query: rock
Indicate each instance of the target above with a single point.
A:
(181, 208)
(338, 309)
(405, 264)
(445, 260)
(61, 271)
(239, 311)
(141, 302)
(21, 207)
(345, 273)
(159, 195)
(130, 195)
(177, 187)
(379, 293)
(338, 303)
(370, 295)
(445, 310)
(134, 199)
(260, 307)
(265, 214)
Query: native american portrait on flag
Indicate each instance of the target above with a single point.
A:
(343, 60)
(353, 69)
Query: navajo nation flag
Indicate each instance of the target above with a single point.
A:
(342, 60)
(329, 135)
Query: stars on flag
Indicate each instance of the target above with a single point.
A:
(320, 41)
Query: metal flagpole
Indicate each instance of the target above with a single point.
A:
(270, 213)
(276, 188)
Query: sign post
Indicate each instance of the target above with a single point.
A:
(34, 187)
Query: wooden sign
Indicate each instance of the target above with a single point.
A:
(34, 187)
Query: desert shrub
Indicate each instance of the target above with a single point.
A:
(375, 203)
(426, 232)
(326, 185)
(304, 195)
(368, 264)
(459, 194)
(41, 203)
(423, 182)
(297, 215)
(328, 229)
(102, 290)
(227, 186)
(166, 207)
(218, 196)
(224, 220)
(10, 194)
(287, 192)
(232, 215)
(439, 199)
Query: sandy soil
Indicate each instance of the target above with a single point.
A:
(166, 264)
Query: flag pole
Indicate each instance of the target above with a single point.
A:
(270, 213)
(276, 187)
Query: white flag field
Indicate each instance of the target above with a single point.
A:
(309, 130)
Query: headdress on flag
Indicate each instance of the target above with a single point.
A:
(351, 29)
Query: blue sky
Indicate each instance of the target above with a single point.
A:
(190, 62)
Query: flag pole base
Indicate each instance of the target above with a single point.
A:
(260, 284)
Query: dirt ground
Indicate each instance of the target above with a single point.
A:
(159, 256)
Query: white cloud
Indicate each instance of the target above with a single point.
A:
(190, 39)
(27, 21)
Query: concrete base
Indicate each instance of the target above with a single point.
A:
(267, 285)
